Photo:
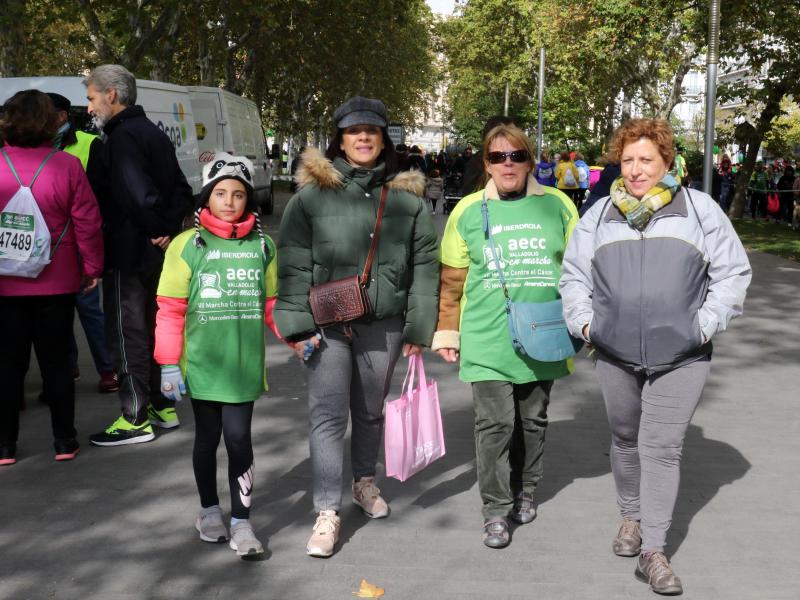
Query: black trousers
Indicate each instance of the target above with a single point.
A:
(212, 419)
(46, 323)
(129, 303)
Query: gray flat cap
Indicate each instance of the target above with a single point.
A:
(360, 111)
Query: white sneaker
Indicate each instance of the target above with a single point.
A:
(367, 495)
(325, 535)
(244, 540)
(210, 526)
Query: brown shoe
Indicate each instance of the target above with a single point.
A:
(654, 568)
(629, 539)
(367, 495)
(109, 382)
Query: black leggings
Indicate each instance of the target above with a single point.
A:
(211, 419)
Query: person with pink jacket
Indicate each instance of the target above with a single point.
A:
(38, 311)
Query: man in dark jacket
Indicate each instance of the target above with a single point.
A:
(87, 148)
(147, 201)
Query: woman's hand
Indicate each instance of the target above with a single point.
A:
(162, 242)
(409, 349)
(304, 348)
(448, 354)
(88, 284)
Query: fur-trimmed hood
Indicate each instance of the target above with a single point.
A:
(317, 170)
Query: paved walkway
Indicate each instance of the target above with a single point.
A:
(117, 523)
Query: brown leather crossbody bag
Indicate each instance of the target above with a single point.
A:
(345, 300)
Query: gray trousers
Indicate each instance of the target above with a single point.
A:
(510, 427)
(349, 376)
(648, 417)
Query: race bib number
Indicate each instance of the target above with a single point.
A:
(16, 235)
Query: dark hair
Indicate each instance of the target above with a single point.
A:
(205, 194)
(494, 121)
(29, 119)
(388, 156)
(250, 207)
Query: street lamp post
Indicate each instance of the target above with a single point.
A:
(712, 60)
(539, 131)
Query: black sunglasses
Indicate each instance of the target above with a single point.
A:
(517, 156)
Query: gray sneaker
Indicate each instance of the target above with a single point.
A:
(654, 568)
(210, 526)
(629, 539)
(244, 541)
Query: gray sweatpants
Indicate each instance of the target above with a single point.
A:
(349, 377)
(648, 417)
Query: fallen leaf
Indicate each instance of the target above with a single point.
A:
(367, 590)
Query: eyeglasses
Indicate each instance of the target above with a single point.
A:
(517, 156)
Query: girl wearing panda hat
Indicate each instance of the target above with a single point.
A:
(215, 295)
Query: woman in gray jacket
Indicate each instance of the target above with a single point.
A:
(651, 273)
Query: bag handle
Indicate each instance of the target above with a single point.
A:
(415, 366)
(373, 245)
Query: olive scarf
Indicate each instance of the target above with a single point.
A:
(639, 212)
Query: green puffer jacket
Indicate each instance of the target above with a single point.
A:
(325, 235)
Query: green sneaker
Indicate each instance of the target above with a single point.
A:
(123, 432)
(165, 418)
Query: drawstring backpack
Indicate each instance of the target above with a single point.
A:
(24, 236)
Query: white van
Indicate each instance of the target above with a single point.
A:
(229, 123)
(166, 105)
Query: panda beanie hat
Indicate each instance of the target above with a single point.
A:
(227, 166)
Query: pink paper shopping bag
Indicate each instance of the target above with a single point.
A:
(413, 436)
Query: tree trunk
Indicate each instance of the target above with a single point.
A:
(98, 37)
(772, 108)
(626, 108)
(164, 61)
(205, 62)
(676, 93)
(12, 38)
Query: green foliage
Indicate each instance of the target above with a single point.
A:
(773, 238)
(595, 52)
(768, 37)
(297, 58)
(784, 136)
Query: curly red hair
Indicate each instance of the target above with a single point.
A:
(657, 131)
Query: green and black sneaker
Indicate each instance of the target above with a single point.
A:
(166, 418)
(124, 432)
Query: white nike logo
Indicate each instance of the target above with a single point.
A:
(246, 486)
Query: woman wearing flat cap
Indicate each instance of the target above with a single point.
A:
(325, 236)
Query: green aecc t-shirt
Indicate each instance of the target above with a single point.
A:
(530, 236)
(226, 283)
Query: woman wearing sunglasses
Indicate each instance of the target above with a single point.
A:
(530, 225)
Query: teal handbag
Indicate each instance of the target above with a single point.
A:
(537, 329)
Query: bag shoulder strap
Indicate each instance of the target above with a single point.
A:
(375, 235)
(487, 230)
(35, 175)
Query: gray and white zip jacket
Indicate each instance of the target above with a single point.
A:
(654, 299)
